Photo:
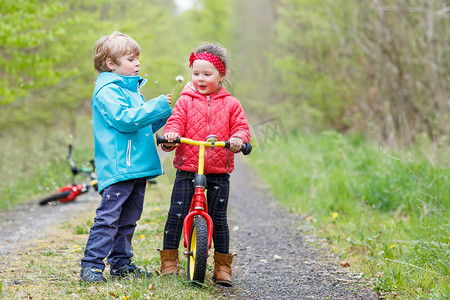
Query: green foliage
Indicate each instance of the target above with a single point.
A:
(51, 72)
(27, 31)
(304, 64)
(209, 21)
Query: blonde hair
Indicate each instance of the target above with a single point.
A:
(113, 47)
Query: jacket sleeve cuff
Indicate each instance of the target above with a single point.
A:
(166, 148)
(241, 135)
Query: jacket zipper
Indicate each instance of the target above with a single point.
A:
(207, 123)
(207, 132)
(226, 152)
(128, 158)
(180, 162)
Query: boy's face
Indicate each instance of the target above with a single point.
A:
(128, 65)
(205, 77)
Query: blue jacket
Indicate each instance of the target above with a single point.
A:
(123, 124)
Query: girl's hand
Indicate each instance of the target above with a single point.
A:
(235, 144)
(171, 137)
(169, 98)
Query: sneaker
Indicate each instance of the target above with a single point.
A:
(130, 269)
(92, 274)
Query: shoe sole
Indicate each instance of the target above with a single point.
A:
(223, 282)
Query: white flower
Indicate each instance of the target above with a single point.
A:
(179, 79)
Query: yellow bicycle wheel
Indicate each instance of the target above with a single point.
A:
(197, 251)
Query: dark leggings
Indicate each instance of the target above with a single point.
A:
(218, 188)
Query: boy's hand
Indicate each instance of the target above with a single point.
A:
(169, 98)
(235, 144)
(171, 136)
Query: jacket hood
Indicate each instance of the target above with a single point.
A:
(189, 90)
(133, 83)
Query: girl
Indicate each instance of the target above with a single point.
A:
(204, 108)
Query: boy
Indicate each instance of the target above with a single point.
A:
(125, 155)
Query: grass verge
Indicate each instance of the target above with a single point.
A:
(385, 213)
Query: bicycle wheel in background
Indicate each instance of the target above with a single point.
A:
(197, 251)
(55, 197)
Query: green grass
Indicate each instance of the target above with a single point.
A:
(386, 212)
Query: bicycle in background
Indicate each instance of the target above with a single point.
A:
(70, 192)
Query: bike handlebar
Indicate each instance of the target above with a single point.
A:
(246, 147)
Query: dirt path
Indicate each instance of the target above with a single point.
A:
(273, 261)
(29, 222)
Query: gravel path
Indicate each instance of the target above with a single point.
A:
(28, 222)
(272, 259)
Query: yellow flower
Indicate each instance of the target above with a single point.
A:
(335, 215)
(142, 236)
(153, 223)
(125, 298)
(392, 246)
(156, 209)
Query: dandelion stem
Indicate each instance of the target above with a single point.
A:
(175, 87)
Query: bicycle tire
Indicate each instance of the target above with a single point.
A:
(55, 197)
(197, 251)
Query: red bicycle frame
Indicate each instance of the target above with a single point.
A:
(75, 190)
(199, 206)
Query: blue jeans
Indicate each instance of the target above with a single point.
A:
(218, 189)
(114, 225)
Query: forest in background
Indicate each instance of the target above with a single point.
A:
(379, 67)
(318, 79)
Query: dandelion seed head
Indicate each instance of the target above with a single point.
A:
(179, 79)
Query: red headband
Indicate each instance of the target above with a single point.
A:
(208, 57)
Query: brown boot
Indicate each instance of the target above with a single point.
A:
(222, 269)
(169, 261)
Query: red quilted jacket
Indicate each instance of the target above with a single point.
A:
(197, 116)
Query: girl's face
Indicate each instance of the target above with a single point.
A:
(205, 77)
(128, 65)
